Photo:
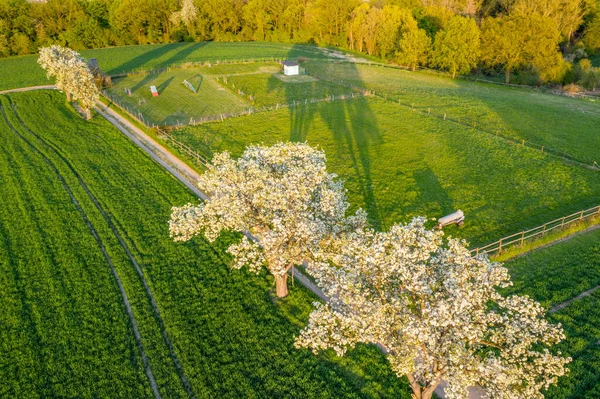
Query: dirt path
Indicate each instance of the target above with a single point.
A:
(45, 87)
(94, 233)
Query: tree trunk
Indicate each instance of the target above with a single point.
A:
(453, 72)
(507, 76)
(416, 388)
(88, 114)
(281, 285)
(68, 96)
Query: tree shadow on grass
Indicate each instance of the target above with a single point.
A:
(181, 53)
(353, 125)
(432, 199)
(163, 86)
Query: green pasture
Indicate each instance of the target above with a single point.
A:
(271, 89)
(563, 124)
(176, 103)
(232, 337)
(24, 71)
(398, 164)
(221, 89)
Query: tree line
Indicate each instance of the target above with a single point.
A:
(539, 40)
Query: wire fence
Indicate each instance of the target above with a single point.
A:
(196, 64)
(526, 235)
(467, 122)
(477, 79)
(194, 121)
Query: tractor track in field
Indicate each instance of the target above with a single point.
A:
(94, 233)
(177, 363)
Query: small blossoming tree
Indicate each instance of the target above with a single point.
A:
(188, 15)
(437, 312)
(281, 195)
(72, 73)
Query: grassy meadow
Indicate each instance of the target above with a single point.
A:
(563, 124)
(398, 164)
(67, 333)
(176, 103)
(221, 89)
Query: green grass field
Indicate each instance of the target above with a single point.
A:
(232, 338)
(552, 276)
(398, 164)
(24, 71)
(560, 123)
(176, 103)
(221, 89)
(68, 334)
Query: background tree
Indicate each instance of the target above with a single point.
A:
(501, 45)
(188, 14)
(282, 195)
(437, 312)
(393, 21)
(456, 48)
(413, 48)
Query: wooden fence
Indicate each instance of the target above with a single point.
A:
(198, 158)
(521, 237)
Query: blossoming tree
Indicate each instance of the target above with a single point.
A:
(282, 196)
(72, 73)
(188, 15)
(437, 312)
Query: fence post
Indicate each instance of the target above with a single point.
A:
(544, 231)
(562, 223)
(522, 237)
(581, 216)
(500, 246)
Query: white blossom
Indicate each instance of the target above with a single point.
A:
(188, 13)
(436, 310)
(72, 73)
(281, 195)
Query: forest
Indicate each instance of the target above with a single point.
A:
(526, 41)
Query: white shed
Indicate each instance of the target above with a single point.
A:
(291, 68)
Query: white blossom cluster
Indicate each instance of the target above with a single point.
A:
(188, 13)
(437, 312)
(433, 307)
(72, 73)
(282, 195)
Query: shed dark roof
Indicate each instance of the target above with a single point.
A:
(290, 63)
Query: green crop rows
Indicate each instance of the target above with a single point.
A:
(552, 276)
(231, 338)
(558, 273)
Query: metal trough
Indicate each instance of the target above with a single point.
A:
(457, 217)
